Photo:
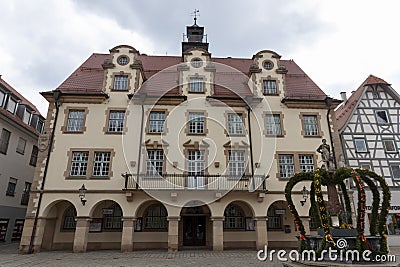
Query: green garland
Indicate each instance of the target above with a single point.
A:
(314, 207)
(361, 242)
(346, 202)
(386, 195)
(305, 176)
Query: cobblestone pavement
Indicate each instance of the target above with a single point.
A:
(231, 258)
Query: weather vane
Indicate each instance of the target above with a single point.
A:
(195, 13)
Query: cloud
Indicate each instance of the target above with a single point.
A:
(48, 40)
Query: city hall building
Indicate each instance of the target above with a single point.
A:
(176, 152)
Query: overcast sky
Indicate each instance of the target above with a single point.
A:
(337, 43)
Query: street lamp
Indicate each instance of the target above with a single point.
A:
(82, 193)
(305, 195)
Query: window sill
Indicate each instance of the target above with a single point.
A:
(23, 153)
(196, 134)
(120, 90)
(10, 195)
(312, 136)
(155, 133)
(270, 94)
(72, 132)
(76, 177)
(362, 152)
(115, 133)
(197, 93)
(99, 178)
(236, 135)
(275, 135)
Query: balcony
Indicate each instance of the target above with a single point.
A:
(195, 182)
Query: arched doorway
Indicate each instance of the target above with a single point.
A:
(195, 227)
(60, 225)
(280, 225)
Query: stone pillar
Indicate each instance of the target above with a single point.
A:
(81, 234)
(261, 232)
(173, 230)
(218, 233)
(27, 234)
(127, 234)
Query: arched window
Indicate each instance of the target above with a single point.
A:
(234, 217)
(155, 217)
(69, 222)
(274, 218)
(113, 221)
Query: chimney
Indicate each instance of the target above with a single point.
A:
(344, 96)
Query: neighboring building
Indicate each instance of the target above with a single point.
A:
(198, 134)
(20, 126)
(369, 127)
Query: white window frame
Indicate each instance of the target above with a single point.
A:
(306, 162)
(310, 124)
(286, 165)
(15, 102)
(121, 82)
(79, 160)
(196, 123)
(75, 120)
(196, 85)
(235, 123)
(116, 121)
(270, 87)
(3, 97)
(393, 145)
(156, 121)
(236, 163)
(26, 118)
(101, 164)
(356, 140)
(397, 165)
(379, 119)
(154, 162)
(273, 124)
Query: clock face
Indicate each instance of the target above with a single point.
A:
(268, 65)
(123, 60)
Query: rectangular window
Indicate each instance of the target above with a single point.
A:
(390, 146)
(79, 163)
(2, 97)
(12, 104)
(196, 123)
(360, 145)
(21, 145)
(273, 124)
(116, 121)
(4, 140)
(25, 194)
(306, 163)
(27, 117)
(154, 162)
(121, 82)
(286, 166)
(236, 163)
(34, 156)
(75, 120)
(235, 123)
(156, 122)
(196, 85)
(270, 87)
(12, 185)
(17, 231)
(101, 164)
(393, 224)
(381, 117)
(395, 171)
(196, 169)
(310, 124)
(3, 229)
(39, 126)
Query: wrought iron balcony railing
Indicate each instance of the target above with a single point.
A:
(195, 182)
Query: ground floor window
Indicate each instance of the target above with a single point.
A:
(3, 229)
(17, 231)
(393, 224)
(274, 218)
(112, 220)
(234, 217)
(155, 218)
(69, 218)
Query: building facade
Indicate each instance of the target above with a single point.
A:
(20, 125)
(369, 126)
(176, 151)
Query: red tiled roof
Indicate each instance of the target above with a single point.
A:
(16, 93)
(88, 78)
(24, 101)
(344, 111)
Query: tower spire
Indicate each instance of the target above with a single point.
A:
(194, 14)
